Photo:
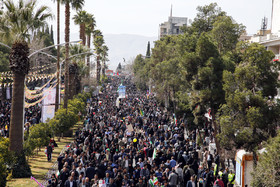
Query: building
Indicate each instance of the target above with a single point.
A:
(172, 26)
(270, 38)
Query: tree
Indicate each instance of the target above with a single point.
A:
(63, 121)
(82, 18)
(57, 55)
(75, 4)
(98, 43)
(206, 17)
(267, 172)
(140, 75)
(15, 25)
(104, 58)
(89, 30)
(148, 53)
(77, 67)
(226, 33)
(250, 113)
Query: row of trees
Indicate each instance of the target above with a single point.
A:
(87, 25)
(19, 23)
(207, 70)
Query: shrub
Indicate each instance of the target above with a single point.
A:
(63, 120)
(39, 136)
(3, 172)
(77, 105)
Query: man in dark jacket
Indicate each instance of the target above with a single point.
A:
(70, 182)
(49, 152)
(90, 172)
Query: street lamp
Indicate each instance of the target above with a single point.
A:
(35, 52)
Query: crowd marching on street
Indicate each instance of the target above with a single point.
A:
(136, 142)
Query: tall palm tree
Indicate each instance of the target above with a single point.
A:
(77, 5)
(98, 43)
(82, 18)
(104, 59)
(89, 30)
(16, 25)
(58, 56)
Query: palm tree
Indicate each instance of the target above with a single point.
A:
(76, 4)
(76, 67)
(89, 30)
(104, 59)
(16, 25)
(58, 55)
(98, 42)
(82, 18)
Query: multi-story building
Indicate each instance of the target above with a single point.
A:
(271, 38)
(172, 26)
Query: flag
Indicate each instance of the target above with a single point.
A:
(155, 181)
(175, 119)
(141, 112)
(57, 174)
(151, 182)
(154, 154)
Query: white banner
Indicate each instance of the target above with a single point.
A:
(8, 93)
(48, 107)
(121, 91)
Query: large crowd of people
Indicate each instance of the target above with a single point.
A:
(32, 116)
(136, 142)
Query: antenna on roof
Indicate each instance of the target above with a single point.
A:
(171, 11)
(264, 24)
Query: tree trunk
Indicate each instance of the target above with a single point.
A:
(16, 125)
(58, 58)
(72, 85)
(83, 34)
(98, 68)
(216, 133)
(103, 69)
(88, 57)
(67, 33)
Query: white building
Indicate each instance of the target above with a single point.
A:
(271, 38)
(172, 26)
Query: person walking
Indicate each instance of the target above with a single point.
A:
(49, 152)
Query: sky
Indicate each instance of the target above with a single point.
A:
(142, 17)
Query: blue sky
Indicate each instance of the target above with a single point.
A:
(142, 17)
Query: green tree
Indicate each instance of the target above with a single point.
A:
(15, 25)
(77, 5)
(63, 121)
(267, 171)
(207, 91)
(148, 52)
(104, 58)
(226, 33)
(58, 54)
(206, 17)
(250, 114)
(82, 18)
(98, 43)
(89, 29)
(39, 136)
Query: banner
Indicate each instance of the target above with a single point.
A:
(48, 107)
(121, 91)
(8, 92)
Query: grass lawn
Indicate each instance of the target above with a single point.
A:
(39, 164)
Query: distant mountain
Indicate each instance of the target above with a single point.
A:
(126, 46)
